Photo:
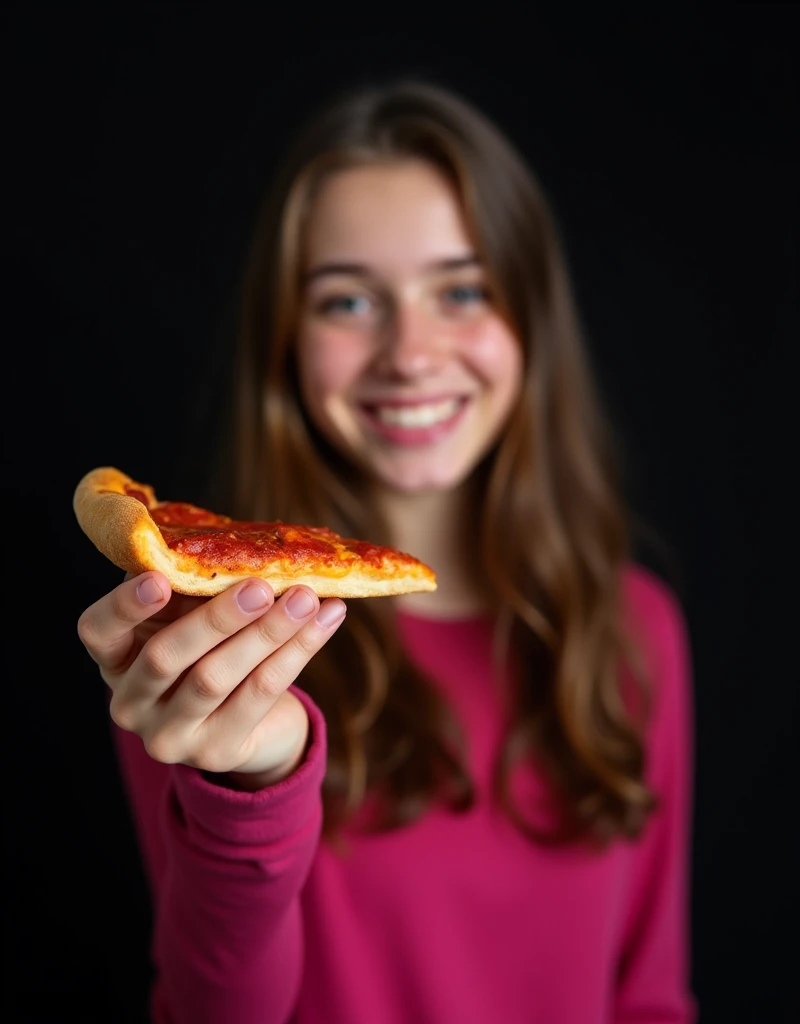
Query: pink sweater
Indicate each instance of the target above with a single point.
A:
(456, 919)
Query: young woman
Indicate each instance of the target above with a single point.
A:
(465, 806)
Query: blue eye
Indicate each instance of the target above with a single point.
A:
(351, 305)
(464, 294)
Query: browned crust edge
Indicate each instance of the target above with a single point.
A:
(121, 528)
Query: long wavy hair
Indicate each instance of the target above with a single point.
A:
(549, 537)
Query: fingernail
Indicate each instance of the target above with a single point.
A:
(300, 604)
(331, 612)
(252, 598)
(149, 591)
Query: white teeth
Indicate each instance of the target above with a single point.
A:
(417, 415)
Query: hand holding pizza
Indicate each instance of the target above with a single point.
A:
(205, 682)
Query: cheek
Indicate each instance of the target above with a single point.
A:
(495, 355)
(330, 361)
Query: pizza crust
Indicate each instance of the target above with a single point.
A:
(121, 527)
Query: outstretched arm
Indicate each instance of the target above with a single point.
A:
(226, 869)
(224, 764)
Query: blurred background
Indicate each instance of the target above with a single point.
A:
(137, 144)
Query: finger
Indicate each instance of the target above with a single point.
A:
(247, 705)
(214, 678)
(176, 648)
(178, 605)
(106, 627)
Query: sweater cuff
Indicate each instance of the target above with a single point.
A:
(268, 814)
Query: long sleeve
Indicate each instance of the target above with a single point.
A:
(653, 983)
(226, 869)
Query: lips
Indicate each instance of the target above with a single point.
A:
(414, 422)
(425, 414)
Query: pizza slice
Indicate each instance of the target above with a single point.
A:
(203, 553)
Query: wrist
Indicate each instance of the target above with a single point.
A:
(289, 742)
(251, 782)
(290, 745)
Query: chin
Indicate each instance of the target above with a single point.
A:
(420, 479)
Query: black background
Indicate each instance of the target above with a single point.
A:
(137, 142)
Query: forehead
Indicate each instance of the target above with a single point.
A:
(389, 216)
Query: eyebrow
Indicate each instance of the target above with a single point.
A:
(361, 270)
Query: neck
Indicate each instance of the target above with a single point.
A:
(433, 526)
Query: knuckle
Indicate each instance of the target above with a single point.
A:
(207, 682)
(117, 608)
(216, 620)
(307, 642)
(119, 600)
(87, 632)
(161, 747)
(159, 658)
(268, 683)
(123, 714)
(269, 631)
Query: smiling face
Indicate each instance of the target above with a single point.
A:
(406, 367)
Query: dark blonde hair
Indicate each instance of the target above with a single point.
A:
(549, 538)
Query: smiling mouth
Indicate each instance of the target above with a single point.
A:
(414, 424)
(418, 416)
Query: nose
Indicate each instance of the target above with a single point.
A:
(413, 345)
